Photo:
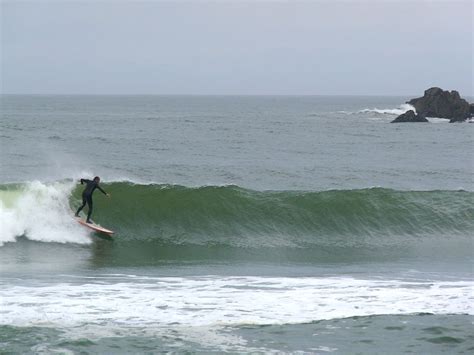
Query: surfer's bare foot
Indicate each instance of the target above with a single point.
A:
(89, 221)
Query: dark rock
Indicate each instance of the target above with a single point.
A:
(409, 116)
(458, 119)
(443, 104)
(471, 106)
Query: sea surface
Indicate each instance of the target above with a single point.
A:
(263, 224)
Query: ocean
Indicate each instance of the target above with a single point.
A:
(243, 224)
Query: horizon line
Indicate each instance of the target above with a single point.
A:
(216, 95)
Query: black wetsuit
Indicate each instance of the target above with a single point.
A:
(91, 185)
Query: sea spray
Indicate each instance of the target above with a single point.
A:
(39, 212)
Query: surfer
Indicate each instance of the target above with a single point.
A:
(91, 185)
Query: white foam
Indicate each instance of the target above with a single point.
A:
(437, 120)
(41, 212)
(199, 309)
(389, 111)
(217, 301)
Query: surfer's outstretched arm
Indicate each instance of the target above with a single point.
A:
(100, 188)
(85, 181)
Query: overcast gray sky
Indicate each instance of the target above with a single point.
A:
(236, 47)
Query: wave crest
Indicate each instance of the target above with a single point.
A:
(237, 217)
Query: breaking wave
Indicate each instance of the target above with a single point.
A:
(236, 217)
(393, 111)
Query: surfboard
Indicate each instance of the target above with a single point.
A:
(94, 227)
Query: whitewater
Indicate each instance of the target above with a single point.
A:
(39, 211)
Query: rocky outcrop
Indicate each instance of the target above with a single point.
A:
(443, 104)
(409, 116)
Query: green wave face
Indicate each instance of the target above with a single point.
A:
(161, 223)
(237, 217)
